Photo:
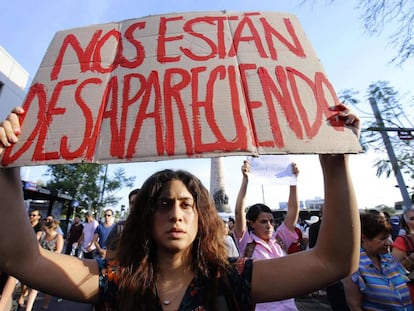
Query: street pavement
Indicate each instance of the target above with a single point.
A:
(316, 303)
(56, 304)
(63, 305)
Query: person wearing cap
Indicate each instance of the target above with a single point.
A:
(314, 219)
(305, 232)
(314, 230)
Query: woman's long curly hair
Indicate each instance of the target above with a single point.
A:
(137, 252)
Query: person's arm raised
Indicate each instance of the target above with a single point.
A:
(293, 203)
(78, 279)
(336, 254)
(240, 217)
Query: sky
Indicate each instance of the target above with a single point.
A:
(351, 58)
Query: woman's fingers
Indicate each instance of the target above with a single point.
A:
(10, 129)
(345, 116)
(14, 118)
(245, 167)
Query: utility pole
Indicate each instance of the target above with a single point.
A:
(102, 194)
(393, 159)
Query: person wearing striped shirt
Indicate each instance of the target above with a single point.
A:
(380, 283)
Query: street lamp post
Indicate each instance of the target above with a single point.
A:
(391, 155)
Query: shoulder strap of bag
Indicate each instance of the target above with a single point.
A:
(409, 243)
(248, 252)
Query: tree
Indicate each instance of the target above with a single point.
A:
(395, 15)
(89, 184)
(393, 114)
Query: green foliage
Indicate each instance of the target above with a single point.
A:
(392, 108)
(397, 16)
(89, 183)
(390, 210)
(394, 17)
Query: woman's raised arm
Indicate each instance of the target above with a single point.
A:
(336, 253)
(292, 214)
(240, 218)
(56, 274)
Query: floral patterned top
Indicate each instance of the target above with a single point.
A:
(239, 278)
(49, 245)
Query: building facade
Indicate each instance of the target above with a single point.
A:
(13, 82)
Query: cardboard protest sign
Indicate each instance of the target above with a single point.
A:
(181, 85)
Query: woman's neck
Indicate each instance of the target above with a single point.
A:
(172, 266)
(51, 234)
(374, 258)
(266, 239)
(173, 278)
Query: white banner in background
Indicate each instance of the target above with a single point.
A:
(272, 169)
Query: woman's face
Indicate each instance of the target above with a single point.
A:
(175, 219)
(378, 245)
(50, 230)
(409, 219)
(226, 228)
(263, 226)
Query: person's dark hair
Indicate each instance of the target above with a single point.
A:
(52, 224)
(35, 210)
(133, 192)
(373, 224)
(403, 224)
(136, 251)
(373, 211)
(404, 219)
(387, 216)
(254, 211)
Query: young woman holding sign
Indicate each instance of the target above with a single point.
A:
(172, 255)
(255, 234)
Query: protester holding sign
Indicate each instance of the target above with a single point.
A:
(191, 84)
(261, 241)
(172, 255)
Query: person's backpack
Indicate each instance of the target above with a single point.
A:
(409, 244)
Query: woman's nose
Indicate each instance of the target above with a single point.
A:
(175, 212)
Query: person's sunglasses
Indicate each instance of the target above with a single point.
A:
(33, 215)
(107, 215)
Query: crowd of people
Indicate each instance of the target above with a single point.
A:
(172, 252)
(86, 239)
